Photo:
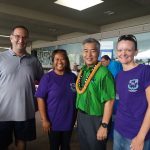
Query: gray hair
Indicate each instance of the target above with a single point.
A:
(92, 40)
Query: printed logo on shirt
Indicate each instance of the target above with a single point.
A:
(73, 87)
(133, 85)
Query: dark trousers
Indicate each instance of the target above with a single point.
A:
(60, 140)
(87, 130)
(22, 130)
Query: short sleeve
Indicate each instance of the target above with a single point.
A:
(108, 88)
(146, 76)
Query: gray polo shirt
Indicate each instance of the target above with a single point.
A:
(17, 76)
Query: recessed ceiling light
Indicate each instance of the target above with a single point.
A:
(78, 4)
(109, 12)
(52, 29)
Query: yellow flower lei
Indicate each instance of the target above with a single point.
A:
(82, 90)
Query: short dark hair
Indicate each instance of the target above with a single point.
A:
(128, 37)
(20, 26)
(92, 40)
(64, 53)
(106, 57)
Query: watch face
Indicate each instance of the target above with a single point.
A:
(104, 125)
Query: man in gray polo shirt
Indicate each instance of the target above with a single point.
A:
(18, 72)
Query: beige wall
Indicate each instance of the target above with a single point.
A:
(131, 26)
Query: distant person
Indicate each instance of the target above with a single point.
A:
(18, 73)
(75, 69)
(132, 122)
(95, 99)
(56, 97)
(113, 66)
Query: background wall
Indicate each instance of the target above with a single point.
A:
(140, 27)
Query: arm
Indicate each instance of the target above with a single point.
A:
(108, 111)
(138, 142)
(108, 95)
(108, 108)
(42, 109)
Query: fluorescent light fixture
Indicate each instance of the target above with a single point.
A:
(6, 36)
(4, 47)
(78, 4)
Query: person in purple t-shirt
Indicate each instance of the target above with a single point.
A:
(132, 122)
(56, 96)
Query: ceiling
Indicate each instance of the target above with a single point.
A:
(46, 20)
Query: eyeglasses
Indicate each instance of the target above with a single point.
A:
(18, 37)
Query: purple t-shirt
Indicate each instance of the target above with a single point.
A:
(132, 106)
(59, 94)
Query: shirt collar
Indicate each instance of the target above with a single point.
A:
(86, 68)
(14, 54)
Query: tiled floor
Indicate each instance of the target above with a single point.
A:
(41, 143)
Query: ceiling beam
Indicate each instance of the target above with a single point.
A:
(39, 16)
(33, 35)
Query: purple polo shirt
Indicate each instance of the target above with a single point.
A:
(131, 86)
(59, 94)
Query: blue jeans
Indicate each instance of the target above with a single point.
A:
(122, 143)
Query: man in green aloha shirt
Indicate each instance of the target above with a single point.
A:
(95, 99)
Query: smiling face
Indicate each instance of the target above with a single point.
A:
(105, 62)
(126, 52)
(90, 54)
(19, 40)
(59, 63)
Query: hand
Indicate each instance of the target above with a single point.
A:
(102, 133)
(137, 144)
(46, 126)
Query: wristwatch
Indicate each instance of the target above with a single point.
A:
(104, 125)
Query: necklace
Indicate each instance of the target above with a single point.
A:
(87, 80)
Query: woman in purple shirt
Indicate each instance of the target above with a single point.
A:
(132, 122)
(56, 96)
